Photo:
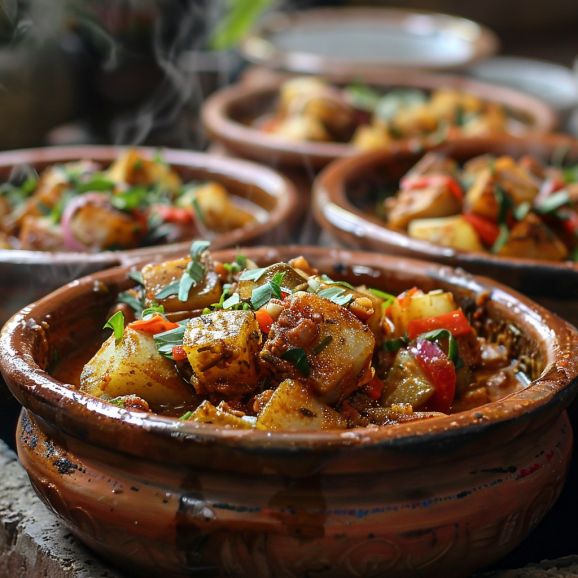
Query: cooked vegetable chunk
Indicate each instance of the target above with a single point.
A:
(338, 347)
(133, 366)
(293, 407)
(455, 232)
(222, 349)
(292, 279)
(158, 276)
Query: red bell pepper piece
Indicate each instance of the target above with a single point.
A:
(487, 230)
(440, 371)
(179, 354)
(179, 215)
(455, 322)
(374, 388)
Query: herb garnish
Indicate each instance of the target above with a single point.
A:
(131, 300)
(165, 341)
(266, 292)
(387, 298)
(116, 323)
(136, 276)
(298, 357)
(186, 416)
(335, 294)
(436, 335)
(394, 344)
(252, 274)
(153, 310)
(553, 202)
(324, 343)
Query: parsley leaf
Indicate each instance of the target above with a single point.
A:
(252, 274)
(153, 310)
(198, 247)
(263, 294)
(170, 289)
(335, 294)
(136, 276)
(298, 357)
(131, 300)
(116, 323)
(165, 341)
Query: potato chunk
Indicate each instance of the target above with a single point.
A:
(293, 407)
(532, 239)
(133, 366)
(453, 232)
(218, 212)
(222, 349)
(430, 202)
(292, 279)
(419, 306)
(406, 382)
(339, 367)
(205, 293)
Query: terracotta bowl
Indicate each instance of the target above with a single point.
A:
(162, 497)
(345, 195)
(228, 113)
(25, 276)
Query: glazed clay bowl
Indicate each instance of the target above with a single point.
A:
(345, 197)
(228, 116)
(163, 497)
(25, 276)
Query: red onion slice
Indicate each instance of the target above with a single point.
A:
(71, 243)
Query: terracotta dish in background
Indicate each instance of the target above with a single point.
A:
(444, 496)
(345, 196)
(28, 275)
(228, 115)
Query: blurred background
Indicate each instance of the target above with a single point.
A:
(137, 71)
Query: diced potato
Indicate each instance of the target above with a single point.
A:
(419, 306)
(134, 366)
(307, 321)
(104, 227)
(298, 88)
(519, 183)
(300, 128)
(157, 276)
(480, 198)
(371, 136)
(133, 169)
(406, 382)
(292, 279)
(218, 212)
(336, 115)
(446, 102)
(453, 232)
(532, 239)
(492, 121)
(430, 202)
(293, 407)
(208, 413)
(222, 349)
(414, 120)
(40, 234)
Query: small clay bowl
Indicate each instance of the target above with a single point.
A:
(228, 115)
(163, 497)
(345, 197)
(25, 276)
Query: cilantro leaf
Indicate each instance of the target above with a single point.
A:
(298, 357)
(116, 323)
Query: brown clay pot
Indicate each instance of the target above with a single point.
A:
(163, 497)
(25, 276)
(345, 195)
(228, 113)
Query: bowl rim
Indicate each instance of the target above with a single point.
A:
(276, 185)
(220, 127)
(258, 48)
(334, 211)
(54, 402)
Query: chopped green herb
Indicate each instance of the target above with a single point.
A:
(97, 183)
(198, 211)
(198, 247)
(116, 323)
(502, 238)
(252, 274)
(131, 300)
(394, 344)
(233, 300)
(118, 401)
(522, 210)
(553, 202)
(170, 289)
(130, 199)
(186, 416)
(136, 276)
(328, 281)
(298, 357)
(153, 310)
(324, 343)
(571, 174)
(574, 255)
(388, 299)
(363, 97)
(165, 341)
(241, 260)
(335, 294)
